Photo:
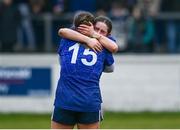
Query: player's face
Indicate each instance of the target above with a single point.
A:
(101, 28)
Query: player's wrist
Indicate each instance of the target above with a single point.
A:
(88, 41)
(96, 35)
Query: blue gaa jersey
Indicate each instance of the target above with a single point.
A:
(81, 68)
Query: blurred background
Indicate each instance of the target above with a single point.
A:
(144, 90)
(139, 25)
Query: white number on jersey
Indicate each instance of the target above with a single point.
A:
(86, 52)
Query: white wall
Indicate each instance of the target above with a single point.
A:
(143, 83)
(139, 83)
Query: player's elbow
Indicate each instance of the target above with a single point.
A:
(61, 31)
(115, 48)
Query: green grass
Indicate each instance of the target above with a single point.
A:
(144, 120)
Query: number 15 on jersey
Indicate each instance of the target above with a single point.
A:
(75, 49)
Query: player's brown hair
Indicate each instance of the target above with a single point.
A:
(83, 17)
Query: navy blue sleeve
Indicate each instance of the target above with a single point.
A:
(112, 38)
(109, 60)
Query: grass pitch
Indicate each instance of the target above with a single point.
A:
(144, 120)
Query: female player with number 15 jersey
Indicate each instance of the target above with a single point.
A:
(78, 98)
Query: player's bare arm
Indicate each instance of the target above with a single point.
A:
(105, 41)
(76, 36)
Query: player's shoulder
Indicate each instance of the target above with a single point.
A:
(66, 41)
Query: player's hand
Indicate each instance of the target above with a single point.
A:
(94, 45)
(86, 29)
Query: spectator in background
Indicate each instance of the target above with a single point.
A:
(118, 10)
(131, 4)
(172, 25)
(58, 6)
(140, 33)
(37, 8)
(119, 14)
(9, 22)
(58, 9)
(149, 7)
(26, 38)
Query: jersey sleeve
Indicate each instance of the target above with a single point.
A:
(62, 42)
(109, 60)
(112, 38)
